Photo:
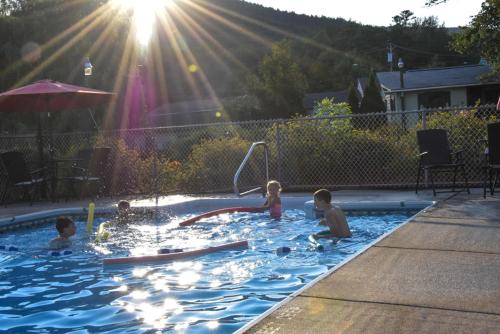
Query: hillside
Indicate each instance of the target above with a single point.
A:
(225, 39)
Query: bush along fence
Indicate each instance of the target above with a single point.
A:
(343, 151)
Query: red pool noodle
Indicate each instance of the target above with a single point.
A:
(175, 256)
(191, 221)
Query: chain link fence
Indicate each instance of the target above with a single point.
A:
(348, 151)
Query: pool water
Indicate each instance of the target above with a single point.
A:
(216, 293)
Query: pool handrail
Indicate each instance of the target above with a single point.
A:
(244, 162)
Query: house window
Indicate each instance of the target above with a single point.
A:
(434, 99)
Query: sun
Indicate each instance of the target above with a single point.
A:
(145, 13)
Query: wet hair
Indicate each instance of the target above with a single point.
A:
(323, 195)
(123, 205)
(62, 223)
(274, 183)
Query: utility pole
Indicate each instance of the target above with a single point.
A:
(390, 57)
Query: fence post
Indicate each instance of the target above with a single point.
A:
(278, 147)
(424, 127)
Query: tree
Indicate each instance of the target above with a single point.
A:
(327, 107)
(279, 85)
(352, 98)
(482, 35)
(372, 100)
(404, 18)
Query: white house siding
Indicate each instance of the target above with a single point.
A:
(458, 97)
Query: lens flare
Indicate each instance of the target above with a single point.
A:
(144, 14)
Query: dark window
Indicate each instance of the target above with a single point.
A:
(434, 99)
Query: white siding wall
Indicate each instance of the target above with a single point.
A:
(458, 97)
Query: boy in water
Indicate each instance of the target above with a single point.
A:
(334, 218)
(66, 228)
(123, 211)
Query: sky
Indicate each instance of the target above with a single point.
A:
(453, 13)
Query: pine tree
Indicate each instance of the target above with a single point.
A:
(372, 103)
(372, 100)
(352, 98)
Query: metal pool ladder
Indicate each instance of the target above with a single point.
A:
(244, 162)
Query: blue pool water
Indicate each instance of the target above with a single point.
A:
(217, 293)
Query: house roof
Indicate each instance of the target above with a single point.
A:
(311, 99)
(431, 78)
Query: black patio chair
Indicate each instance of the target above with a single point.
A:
(19, 176)
(91, 167)
(492, 158)
(436, 157)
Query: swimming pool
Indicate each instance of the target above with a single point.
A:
(217, 293)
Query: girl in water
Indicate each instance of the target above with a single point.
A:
(273, 201)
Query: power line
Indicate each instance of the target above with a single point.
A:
(428, 52)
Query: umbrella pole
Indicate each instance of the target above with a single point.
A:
(41, 160)
(39, 136)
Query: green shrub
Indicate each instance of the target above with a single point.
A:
(212, 164)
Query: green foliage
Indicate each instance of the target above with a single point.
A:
(404, 18)
(482, 35)
(465, 128)
(328, 108)
(280, 85)
(315, 153)
(132, 173)
(212, 164)
(422, 41)
(243, 108)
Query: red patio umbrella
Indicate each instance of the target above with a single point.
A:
(51, 96)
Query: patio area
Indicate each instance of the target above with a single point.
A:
(436, 274)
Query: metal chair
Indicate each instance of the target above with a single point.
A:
(91, 167)
(492, 158)
(436, 156)
(18, 175)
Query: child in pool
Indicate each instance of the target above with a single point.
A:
(122, 218)
(66, 228)
(273, 201)
(334, 218)
(123, 211)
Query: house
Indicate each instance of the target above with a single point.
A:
(438, 87)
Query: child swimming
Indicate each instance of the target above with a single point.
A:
(334, 217)
(273, 201)
(66, 228)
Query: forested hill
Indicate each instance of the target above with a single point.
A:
(225, 39)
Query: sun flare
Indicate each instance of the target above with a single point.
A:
(144, 14)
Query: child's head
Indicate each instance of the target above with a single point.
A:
(273, 188)
(65, 226)
(322, 198)
(123, 205)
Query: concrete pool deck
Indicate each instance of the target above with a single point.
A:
(439, 273)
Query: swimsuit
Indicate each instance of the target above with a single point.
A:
(275, 211)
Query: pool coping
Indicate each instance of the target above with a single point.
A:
(296, 293)
(40, 217)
